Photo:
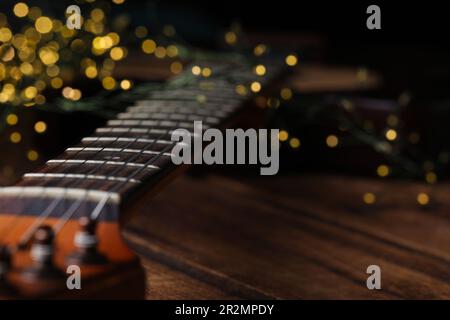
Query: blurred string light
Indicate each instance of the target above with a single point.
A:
(291, 60)
(369, 198)
(365, 132)
(46, 56)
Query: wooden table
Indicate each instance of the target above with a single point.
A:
(224, 236)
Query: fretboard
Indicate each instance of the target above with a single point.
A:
(133, 151)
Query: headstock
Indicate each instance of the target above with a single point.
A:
(42, 266)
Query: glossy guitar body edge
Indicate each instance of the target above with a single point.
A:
(122, 277)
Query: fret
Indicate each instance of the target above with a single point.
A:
(152, 124)
(118, 169)
(116, 150)
(120, 139)
(99, 154)
(131, 130)
(206, 87)
(135, 146)
(177, 109)
(153, 115)
(125, 143)
(188, 105)
(92, 184)
(139, 133)
(101, 162)
(66, 176)
(55, 192)
(169, 116)
(184, 95)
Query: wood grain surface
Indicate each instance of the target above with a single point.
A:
(225, 236)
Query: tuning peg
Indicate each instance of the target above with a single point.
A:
(5, 265)
(42, 252)
(86, 244)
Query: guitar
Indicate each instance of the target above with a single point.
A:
(60, 226)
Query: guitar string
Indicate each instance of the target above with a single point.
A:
(66, 217)
(11, 226)
(76, 205)
(48, 210)
(72, 209)
(99, 208)
(52, 206)
(104, 200)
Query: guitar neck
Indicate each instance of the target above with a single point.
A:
(133, 151)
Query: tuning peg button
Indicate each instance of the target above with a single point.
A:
(5, 265)
(42, 253)
(86, 244)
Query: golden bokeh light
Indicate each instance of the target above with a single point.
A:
(294, 143)
(206, 72)
(5, 34)
(391, 134)
(21, 9)
(431, 177)
(283, 135)
(160, 52)
(383, 170)
(148, 46)
(109, 83)
(30, 92)
(116, 53)
(241, 90)
(32, 155)
(43, 25)
(91, 72)
(423, 199)
(230, 38)
(259, 50)
(255, 86)
(56, 83)
(196, 70)
(291, 60)
(125, 84)
(40, 127)
(286, 93)
(369, 198)
(176, 67)
(172, 51)
(140, 32)
(260, 70)
(12, 119)
(332, 141)
(15, 137)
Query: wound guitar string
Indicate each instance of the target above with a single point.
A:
(13, 224)
(73, 208)
(69, 213)
(98, 210)
(53, 205)
(96, 213)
